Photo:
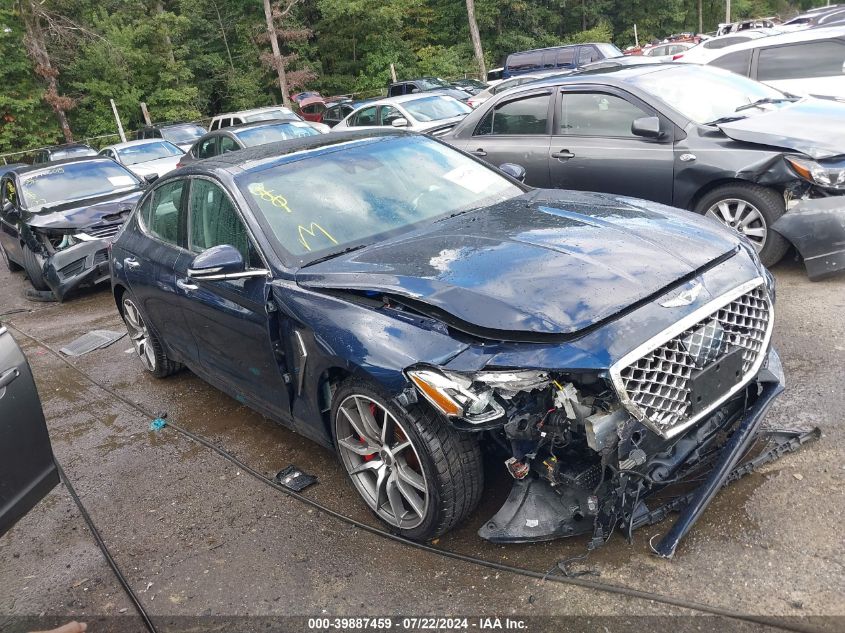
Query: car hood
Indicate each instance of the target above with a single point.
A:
(547, 262)
(810, 126)
(158, 167)
(80, 214)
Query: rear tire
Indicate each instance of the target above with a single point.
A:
(749, 210)
(147, 346)
(34, 266)
(424, 471)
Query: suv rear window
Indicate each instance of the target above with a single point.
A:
(798, 61)
(525, 61)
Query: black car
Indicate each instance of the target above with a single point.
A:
(472, 86)
(57, 220)
(426, 84)
(60, 152)
(27, 468)
(409, 306)
(237, 137)
(181, 134)
(337, 112)
(768, 165)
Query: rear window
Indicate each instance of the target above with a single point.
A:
(525, 61)
(264, 134)
(799, 61)
(722, 42)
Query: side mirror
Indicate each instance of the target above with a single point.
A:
(400, 122)
(13, 215)
(150, 178)
(513, 170)
(647, 127)
(216, 263)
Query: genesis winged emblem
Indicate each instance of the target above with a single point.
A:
(684, 298)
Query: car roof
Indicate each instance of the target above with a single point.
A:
(791, 37)
(142, 141)
(253, 124)
(546, 48)
(164, 124)
(253, 111)
(65, 146)
(245, 160)
(312, 99)
(405, 98)
(64, 161)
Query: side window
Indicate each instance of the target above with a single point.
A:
(587, 54)
(213, 221)
(521, 116)
(549, 58)
(364, 116)
(736, 62)
(388, 114)
(215, 125)
(227, 145)
(164, 215)
(799, 61)
(144, 212)
(597, 114)
(208, 148)
(520, 62)
(225, 122)
(565, 56)
(9, 195)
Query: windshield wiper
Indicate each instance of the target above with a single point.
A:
(764, 101)
(727, 119)
(335, 254)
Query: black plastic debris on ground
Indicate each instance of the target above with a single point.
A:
(294, 479)
(95, 339)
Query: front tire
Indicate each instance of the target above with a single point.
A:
(749, 210)
(146, 344)
(33, 264)
(414, 471)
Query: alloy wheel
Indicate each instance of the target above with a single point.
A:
(382, 461)
(743, 217)
(139, 334)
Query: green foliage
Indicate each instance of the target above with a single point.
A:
(192, 58)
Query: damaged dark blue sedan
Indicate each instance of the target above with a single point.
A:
(409, 306)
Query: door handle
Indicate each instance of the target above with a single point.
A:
(563, 154)
(131, 263)
(8, 377)
(479, 152)
(183, 284)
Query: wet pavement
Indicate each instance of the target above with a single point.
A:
(195, 536)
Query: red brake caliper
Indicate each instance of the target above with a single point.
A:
(371, 456)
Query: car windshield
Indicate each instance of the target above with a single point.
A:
(264, 134)
(430, 83)
(436, 108)
(708, 94)
(182, 134)
(274, 115)
(134, 154)
(75, 181)
(363, 191)
(72, 152)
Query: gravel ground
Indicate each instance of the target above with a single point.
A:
(197, 537)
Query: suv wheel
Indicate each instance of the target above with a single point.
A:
(414, 471)
(749, 210)
(147, 346)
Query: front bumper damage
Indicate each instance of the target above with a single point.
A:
(600, 499)
(83, 264)
(816, 227)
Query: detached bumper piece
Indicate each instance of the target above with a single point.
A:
(83, 264)
(816, 227)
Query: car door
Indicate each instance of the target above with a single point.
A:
(516, 130)
(593, 148)
(388, 114)
(227, 144)
(229, 317)
(9, 236)
(27, 468)
(153, 255)
(364, 118)
(208, 147)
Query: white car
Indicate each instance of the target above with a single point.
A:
(275, 113)
(668, 51)
(147, 157)
(712, 48)
(807, 62)
(418, 112)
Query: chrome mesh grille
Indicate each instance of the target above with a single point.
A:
(658, 383)
(103, 231)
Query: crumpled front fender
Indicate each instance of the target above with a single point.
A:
(816, 227)
(83, 263)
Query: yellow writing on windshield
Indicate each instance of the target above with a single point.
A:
(270, 196)
(312, 231)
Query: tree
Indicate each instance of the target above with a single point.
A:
(476, 39)
(279, 24)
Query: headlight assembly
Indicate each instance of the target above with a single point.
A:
(473, 397)
(824, 175)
